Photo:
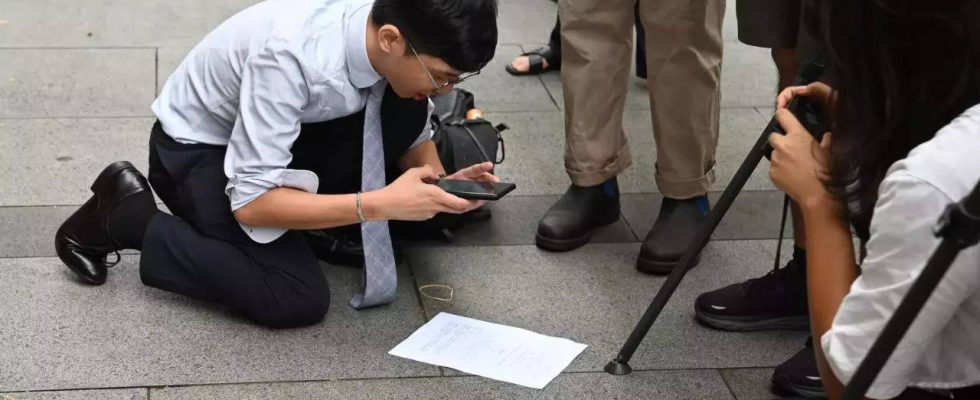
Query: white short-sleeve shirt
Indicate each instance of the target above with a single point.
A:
(942, 347)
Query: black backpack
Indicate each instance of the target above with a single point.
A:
(462, 142)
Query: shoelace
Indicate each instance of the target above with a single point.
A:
(114, 245)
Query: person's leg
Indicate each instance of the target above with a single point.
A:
(684, 51)
(787, 66)
(202, 252)
(597, 42)
(596, 47)
(777, 300)
(554, 39)
(772, 24)
(279, 284)
(641, 44)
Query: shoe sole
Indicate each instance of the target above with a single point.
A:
(657, 267)
(563, 245)
(747, 325)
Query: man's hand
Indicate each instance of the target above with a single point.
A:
(410, 198)
(478, 172)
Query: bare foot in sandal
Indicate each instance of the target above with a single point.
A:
(523, 64)
(536, 61)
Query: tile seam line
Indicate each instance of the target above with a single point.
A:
(728, 385)
(353, 379)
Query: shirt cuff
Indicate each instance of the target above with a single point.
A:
(243, 191)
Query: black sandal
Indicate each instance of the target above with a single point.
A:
(536, 60)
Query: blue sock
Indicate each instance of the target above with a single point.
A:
(702, 202)
(611, 187)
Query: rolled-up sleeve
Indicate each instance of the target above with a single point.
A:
(274, 92)
(901, 242)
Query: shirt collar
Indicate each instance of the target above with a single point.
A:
(359, 68)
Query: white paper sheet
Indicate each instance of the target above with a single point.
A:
(490, 350)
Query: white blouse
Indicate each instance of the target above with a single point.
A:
(942, 347)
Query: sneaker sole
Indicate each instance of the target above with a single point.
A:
(748, 325)
(781, 386)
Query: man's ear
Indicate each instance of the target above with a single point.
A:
(390, 40)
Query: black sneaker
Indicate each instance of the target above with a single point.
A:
(799, 376)
(774, 301)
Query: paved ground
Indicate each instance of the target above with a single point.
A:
(76, 81)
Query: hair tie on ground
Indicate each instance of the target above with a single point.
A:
(423, 287)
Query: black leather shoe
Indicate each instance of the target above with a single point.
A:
(342, 246)
(334, 246)
(677, 223)
(83, 242)
(569, 223)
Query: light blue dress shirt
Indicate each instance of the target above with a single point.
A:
(253, 80)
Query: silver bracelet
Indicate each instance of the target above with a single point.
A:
(360, 213)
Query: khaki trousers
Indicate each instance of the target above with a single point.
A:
(683, 50)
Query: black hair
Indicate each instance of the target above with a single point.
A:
(904, 69)
(463, 33)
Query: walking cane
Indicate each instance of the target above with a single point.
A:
(959, 226)
(761, 148)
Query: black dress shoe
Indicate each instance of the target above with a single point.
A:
(83, 241)
(342, 246)
(677, 223)
(569, 223)
(336, 246)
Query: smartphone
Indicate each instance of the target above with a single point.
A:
(473, 190)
